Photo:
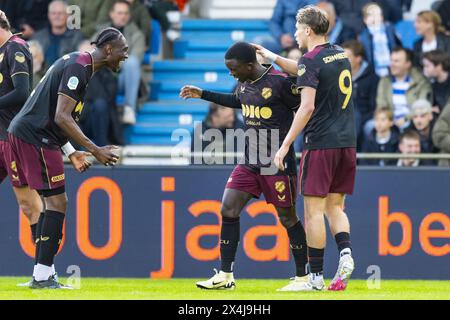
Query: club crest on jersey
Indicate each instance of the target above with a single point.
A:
(1, 57)
(73, 83)
(266, 93)
(280, 186)
(20, 57)
(13, 166)
(295, 90)
(301, 70)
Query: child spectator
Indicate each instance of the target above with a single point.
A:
(436, 65)
(409, 144)
(383, 138)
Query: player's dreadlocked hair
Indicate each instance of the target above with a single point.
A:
(107, 35)
(241, 51)
(4, 22)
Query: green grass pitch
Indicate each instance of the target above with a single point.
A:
(181, 289)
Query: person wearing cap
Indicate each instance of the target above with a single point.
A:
(422, 122)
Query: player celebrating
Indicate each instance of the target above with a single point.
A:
(268, 100)
(44, 124)
(15, 86)
(328, 165)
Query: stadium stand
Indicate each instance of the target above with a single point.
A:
(199, 61)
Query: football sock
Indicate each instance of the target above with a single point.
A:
(33, 231)
(42, 272)
(38, 236)
(51, 237)
(297, 239)
(343, 242)
(315, 257)
(229, 240)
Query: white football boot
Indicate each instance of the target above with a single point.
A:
(220, 281)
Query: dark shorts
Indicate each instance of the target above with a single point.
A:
(40, 168)
(327, 171)
(278, 190)
(8, 165)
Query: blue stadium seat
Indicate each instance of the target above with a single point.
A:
(407, 33)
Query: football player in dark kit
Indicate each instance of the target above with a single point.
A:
(15, 87)
(45, 123)
(328, 164)
(268, 100)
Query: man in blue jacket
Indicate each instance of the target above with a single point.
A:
(282, 25)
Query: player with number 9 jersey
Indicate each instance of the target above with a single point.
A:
(330, 134)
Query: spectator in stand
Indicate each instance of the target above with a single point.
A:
(130, 74)
(383, 138)
(378, 39)
(39, 66)
(441, 133)
(141, 17)
(93, 13)
(100, 119)
(350, 12)
(57, 40)
(282, 25)
(429, 26)
(409, 144)
(402, 87)
(436, 66)
(364, 87)
(220, 118)
(337, 32)
(422, 122)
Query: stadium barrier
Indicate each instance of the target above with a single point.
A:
(163, 222)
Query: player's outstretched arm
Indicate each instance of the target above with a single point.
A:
(63, 118)
(301, 118)
(288, 65)
(223, 99)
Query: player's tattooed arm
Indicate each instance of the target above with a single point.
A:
(288, 65)
(63, 118)
(223, 99)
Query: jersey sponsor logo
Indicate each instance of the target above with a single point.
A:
(301, 70)
(334, 57)
(73, 82)
(250, 111)
(58, 178)
(280, 186)
(266, 93)
(1, 57)
(20, 57)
